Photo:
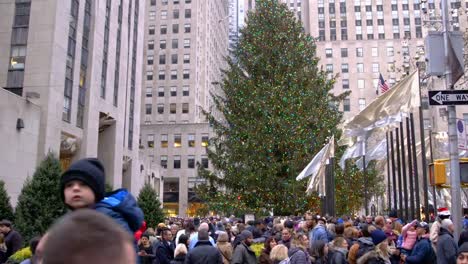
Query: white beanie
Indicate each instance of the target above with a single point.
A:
(446, 223)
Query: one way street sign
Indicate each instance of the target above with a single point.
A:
(448, 97)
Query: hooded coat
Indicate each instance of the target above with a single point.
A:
(243, 254)
(446, 248)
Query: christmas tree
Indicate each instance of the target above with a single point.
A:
(149, 202)
(6, 211)
(39, 203)
(277, 112)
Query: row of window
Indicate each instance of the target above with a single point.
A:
(172, 92)
(163, 45)
(177, 142)
(172, 108)
(163, 29)
(360, 67)
(174, 59)
(165, 2)
(173, 74)
(370, 36)
(190, 162)
(361, 83)
(360, 52)
(175, 14)
(347, 104)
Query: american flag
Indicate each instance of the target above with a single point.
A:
(383, 84)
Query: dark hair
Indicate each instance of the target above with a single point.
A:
(339, 229)
(267, 247)
(317, 249)
(33, 243)
(365, 230)
(202, 235)
(101, 233)
(183, 239)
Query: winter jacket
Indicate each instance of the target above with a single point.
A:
(319, 233)
(372, 257)
(361, 247)
(422, 253)
(164, 252)
(179, 259)
(121, 206)
(338, 256)
(434, 234)
(13, 243)
(225, 248)
(204, 252)
(194, 240)
(409, 237)
(286, 243)
(243, 254)
(298, 256)
(446, 248)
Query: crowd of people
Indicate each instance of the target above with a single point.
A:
(110, 228)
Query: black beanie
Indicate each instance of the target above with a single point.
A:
(91, 172)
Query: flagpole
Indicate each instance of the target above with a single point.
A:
(415, 166)
(393, 171)
(400, 189)
(410, 168)
(388, 175)
(364, 171)
(403, 169)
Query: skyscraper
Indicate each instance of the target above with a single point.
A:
(185, 45)
(71, 72)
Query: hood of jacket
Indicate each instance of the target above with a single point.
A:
(121, 202)
(366, 240)
(444, 231)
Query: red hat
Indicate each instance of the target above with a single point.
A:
(443, 211)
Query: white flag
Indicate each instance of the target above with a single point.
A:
(319, 159)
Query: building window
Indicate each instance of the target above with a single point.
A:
(204, 140)
(345, 83)
(175, 28)
(150, 44)
(362, 104)
(164, 2)
(185, 108)
(149, 75)
(164, 141)
(149, 92)
(329, 68)
(344, 52)
(186, 43)
(191, 162)
(344, 67)
(346, 105)
(162, 75)
(153, 2)
(360, 83)
(164, 14)
(151, 30)
(160, 108)
(191, 140)
(162, 59)
(174, 58)
(188, 13)
(175, 43)
(359, 52)
(17, 57)
(173, 91)
(187, 28)
(160, 91)
(375, 68)
(177, 140)
(173, 74)
(150, 59)
(186, 74)
(172, 108)
(186, 58)
(148, 109)
(176, 162)
(164, 162)
(175, 13)
(176, 2)
(162, 44)
(185, 91)
(328, 53)
(163, 30)
(391, 67)
(360, 67)
(150, 140)
(204, 161)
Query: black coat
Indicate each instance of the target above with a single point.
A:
(180, 259)
(13, 242)
(204, 252)
(164, 252)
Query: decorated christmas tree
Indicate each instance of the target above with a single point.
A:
(149, 202)
(39, 203)
(277, 112)
(6, 211)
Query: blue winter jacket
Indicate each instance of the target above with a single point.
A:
(121, 206)
(319, 233)
(422, 253)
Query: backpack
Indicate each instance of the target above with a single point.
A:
(363, 249)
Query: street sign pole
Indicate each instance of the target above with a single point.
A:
(456, 210)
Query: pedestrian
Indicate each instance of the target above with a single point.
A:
(422, 252)
(446, 246)
(339, 251)
(12, 239)
(194, 237)
(442, 213)
(362, 246)
(86, 236)
(204, 251)
(269, 244)
(320, 231)
(82, 186)
(319, 252)
(286, 237)
(3, 248)
(243, 254)
(462, 257)
(279, 254)
(32, 245)
(379, 254)
(224, 247)
(145, 253)
(298, 252)
(409, 237)
(164, 249)
(180, 252)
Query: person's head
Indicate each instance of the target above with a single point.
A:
(393, 215)
(462, 257)
(339, 229)
(388, 224)
(203, 235)
(369, 219)
(365, 230)
(422, 228)
(5, 226)
(166, 234)
(270, 243)
(350, 232)
(443, 213)
(340, 242)
(33, 244)
(83, 184)
(447, 224)
(203, 226)
(106, 241)
(174, 229)
(319, 249)
(379, 237)
(300, 240)
(321, 221)
(181, 249)
(285, 234)
(223, 237)
(279, 253)
(380, 221)
(150, 231)
(184, 239)
(247, 237)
